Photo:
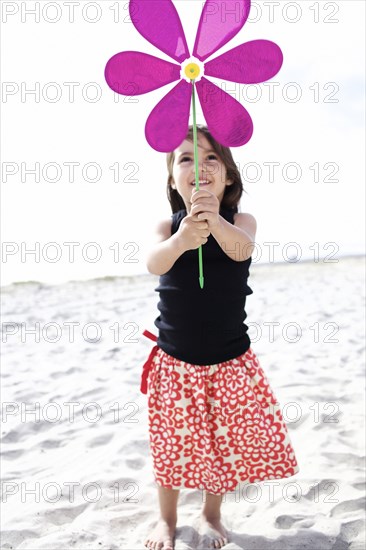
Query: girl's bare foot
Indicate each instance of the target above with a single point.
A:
(213, 531)
(162, 536)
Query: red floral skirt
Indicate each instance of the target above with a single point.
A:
(214, 427)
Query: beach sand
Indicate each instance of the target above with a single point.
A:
(76, 467)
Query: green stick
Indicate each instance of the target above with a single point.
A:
(200, 263)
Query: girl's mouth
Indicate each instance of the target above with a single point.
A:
(203, 182)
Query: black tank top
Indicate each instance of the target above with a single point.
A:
(204, 326)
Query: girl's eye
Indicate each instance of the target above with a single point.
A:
(211, 157)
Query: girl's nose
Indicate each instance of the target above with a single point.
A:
(202, 169)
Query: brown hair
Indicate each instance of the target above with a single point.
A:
(232, 192)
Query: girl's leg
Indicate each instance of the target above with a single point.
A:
(162, 536)
(211, 525)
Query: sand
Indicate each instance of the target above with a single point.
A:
(80, 476)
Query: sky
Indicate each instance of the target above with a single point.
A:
(81, 188)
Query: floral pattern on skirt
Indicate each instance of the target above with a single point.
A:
(212, 427)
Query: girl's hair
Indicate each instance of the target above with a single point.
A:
(232, 192)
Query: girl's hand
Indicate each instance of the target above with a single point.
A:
(206, 206)
(193, 233)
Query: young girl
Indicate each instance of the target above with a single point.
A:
(214, 421)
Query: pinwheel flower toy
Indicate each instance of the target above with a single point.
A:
(227, 120)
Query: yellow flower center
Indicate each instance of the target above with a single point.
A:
(192, 71)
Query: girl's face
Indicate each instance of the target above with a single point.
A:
(211, 170)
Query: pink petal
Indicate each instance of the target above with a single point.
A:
(228, 121)
(167, 125)
(220, 21)
(135, 73)
(158, 21)
(249, 63)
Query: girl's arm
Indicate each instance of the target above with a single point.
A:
(165, 253)
(238, 240)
